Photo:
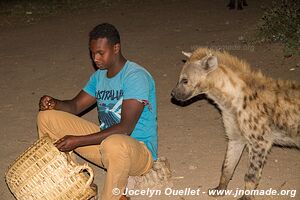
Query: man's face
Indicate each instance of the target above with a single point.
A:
(103, 53)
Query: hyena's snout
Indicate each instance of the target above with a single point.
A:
(180, 93)
(174, 91)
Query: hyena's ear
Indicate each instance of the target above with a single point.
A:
(187, 54)
(209, 63)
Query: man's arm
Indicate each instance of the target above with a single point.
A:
(131, 112)
(75, 106)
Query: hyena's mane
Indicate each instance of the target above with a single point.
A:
(252, 78)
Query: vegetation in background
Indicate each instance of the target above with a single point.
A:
(281, 23)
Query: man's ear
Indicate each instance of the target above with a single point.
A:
(187, 54)
(209, 63)
(117, 48)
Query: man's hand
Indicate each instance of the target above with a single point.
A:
(74, 106)
(47, 103)
(67, 143)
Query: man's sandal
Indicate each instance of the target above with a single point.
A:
(95, 188)
(123, 197)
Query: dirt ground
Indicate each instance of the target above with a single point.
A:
(51, 57)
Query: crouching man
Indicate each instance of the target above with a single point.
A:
(125, 143)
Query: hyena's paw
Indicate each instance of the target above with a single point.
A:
(244, 197)
(216, 192)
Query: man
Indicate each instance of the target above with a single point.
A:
(126, 141)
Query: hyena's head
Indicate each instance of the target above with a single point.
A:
(193, 77)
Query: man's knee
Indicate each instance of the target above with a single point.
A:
(44, 117)
(47, 116)
(115, 144)
(43, 122)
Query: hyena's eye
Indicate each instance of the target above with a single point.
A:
(184, 81)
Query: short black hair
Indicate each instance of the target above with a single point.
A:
(105, 30)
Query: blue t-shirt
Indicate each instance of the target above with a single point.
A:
(132, 82)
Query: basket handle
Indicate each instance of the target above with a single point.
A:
(85, 166)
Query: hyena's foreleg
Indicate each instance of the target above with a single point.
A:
(240, 5)
(234, 151)
(231, 4)
(258, 152)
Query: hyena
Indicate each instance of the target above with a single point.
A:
(240, 4)
(257, 111)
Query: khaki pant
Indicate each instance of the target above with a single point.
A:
(121, 155)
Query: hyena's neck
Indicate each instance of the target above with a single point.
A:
(225, 88)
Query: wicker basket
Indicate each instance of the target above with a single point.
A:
(43, 172)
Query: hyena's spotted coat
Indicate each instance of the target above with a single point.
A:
(257, 111)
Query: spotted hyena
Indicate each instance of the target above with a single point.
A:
(257, 111)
